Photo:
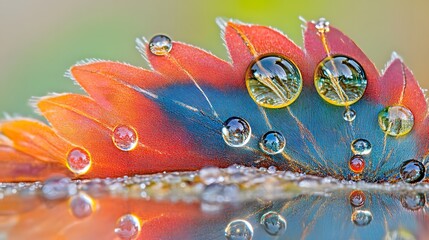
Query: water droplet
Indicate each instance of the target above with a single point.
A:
(272, 143)
(340, 80)
(361, 146)
(357, 164)
(349, 115)
(273, 223)
(236, 132)
(58, 188)
(81, 205)
(239, 230)
(412, 171)
(357, 198)
(128, 227)
(125, 138)
(78, 161)
(396, 120)
(160, 45)
(322, 25)
(273, 81)
(210, 175)
(413, 201)
(361, 217)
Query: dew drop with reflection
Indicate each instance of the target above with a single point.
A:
(361, 146)
(412, 171)
(357, 164)
(272, 143)
(78, 161)
(396, 120)
(239, 230)
(236, 132)
(128, 227)
(160, 45)
(349, 115)
(273, 223)
(124, 137)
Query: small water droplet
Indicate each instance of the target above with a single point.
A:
(78, 161)
(272, 143)
(160, 45)
(273, 81)
(396, 120)
(236, 132)
(125, 137)
(340, 80)
(349, 115)
(361, 217)
(322, 25)
(357, 198)
(412, 171)
(58, 188)
(361, 146)
(239, 230)
(273, 223)
(413, 201)
(210, 175)
(128, 227)
(81, 205)
(357, 164)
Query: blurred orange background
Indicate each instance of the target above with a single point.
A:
(40, 40)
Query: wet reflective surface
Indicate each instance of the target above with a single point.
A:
(231, 203)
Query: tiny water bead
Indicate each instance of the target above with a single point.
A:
(81, 205)
(361, 217)
(412, 171)
(396, 120)
(236, 132)
(413, 201)
(322, 25)
(239, 230)
(361, 146)
(357, 198)
(340, 80)
(273, 223)
(273, 81)
(125, 137)
(349, 115)
(160, 45)
(272, 143)
(357, 164)
(128, 227)
(78, 161)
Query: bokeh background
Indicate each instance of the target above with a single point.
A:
(40, 40)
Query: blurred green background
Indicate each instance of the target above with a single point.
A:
(40, 40)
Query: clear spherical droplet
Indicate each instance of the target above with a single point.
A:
(273, 223)
(357, 164)
(273, 81)
(357, 198)
(160, 45)
(349, 115)
(412, 171)
(340, 80)
(78, 161)
(272, 143)
(361, 146)
(58, 187)
(322, 25)
(239, 230)
(81, 205)
(396, 120)
(128, 227)
(125, 137)
(236, 132)
(361, 217)
(413, 201)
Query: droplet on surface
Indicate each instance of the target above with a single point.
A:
(78, 161)
(128, 227)
(272, 143)
(340, 80)
(357, 164)
(125, 137)
(239, 230)
(349, 115)
(273, 223)
(322, 25)
(160, 45)
(412, 171)
(273, 81)
(357, 198)
(58, 187)
(236, 132)
(81, 205)
(396, 120)
(361, 146)
(361, 217)
(413, 201)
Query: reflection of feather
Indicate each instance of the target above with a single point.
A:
(177, 110)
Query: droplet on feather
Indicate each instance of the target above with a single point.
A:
(125, 138)
(412, 171)
(396, 120)
(160, 45)
(236, 132)
(273, 223)
(361, 146)
(239, 230)
(357, 164)
(349, 115)
(322, 25)
(272, 143)
(78, 161)
(128, 227)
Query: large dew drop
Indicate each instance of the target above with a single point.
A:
(361, 217)
(236, 132)
(272, 143)
(239, 230)
(396, 120)
(340, 80)
(78, 161)
(412, 171)
(128, 227)
(273, 223)
(273, 81)
(361, 146)
(160, 45)
(125, 138)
